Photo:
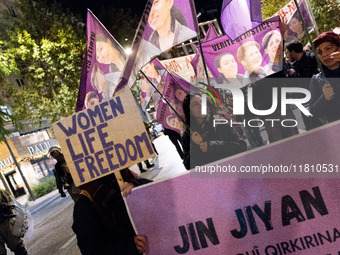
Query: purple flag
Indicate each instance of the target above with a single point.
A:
(290, 16)
(175, 90)
(239, 16)
(250, 57)
(154, 70)
(164, 24)
(102, 66)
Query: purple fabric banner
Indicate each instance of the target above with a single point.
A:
(154, 70)
(164, 24)
(175, 95)
(175, 90)
(243, 216)
(197, 65)
(250, 57)
(102, 67)
(239, 16)
(290, 16)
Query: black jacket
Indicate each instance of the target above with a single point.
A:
(223, 141)
(319, 106)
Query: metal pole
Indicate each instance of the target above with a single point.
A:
(19, 169)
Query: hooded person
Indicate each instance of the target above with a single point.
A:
(62, 174)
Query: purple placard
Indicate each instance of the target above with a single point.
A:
(249, 216)
(186, 215)
(253, 55)
(104, 61)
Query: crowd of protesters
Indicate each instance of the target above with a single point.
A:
(101, 221)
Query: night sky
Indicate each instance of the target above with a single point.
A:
(136, 6)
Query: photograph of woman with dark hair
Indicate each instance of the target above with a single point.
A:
(169, 25)
(296, 26)
(107, 53)
(226, 65)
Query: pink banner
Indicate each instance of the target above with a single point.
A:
(187, 215)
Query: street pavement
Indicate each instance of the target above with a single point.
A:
(52, 214)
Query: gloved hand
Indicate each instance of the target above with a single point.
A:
(63, 194)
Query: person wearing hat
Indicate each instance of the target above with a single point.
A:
(62, 174)
(325, 95)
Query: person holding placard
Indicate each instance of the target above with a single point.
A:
(205, 143)
(100, 219)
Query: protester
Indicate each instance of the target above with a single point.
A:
(169, 25)
(101, 222)
(249, 55)
(305, 66)
(175, 138)
(204, 143)
(7, 218)
(62, 174)
(273, 47)
(325, 99)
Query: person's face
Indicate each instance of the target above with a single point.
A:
(288, 56)
(228, 66)
(274, 47)
(106, 53)
(324, 51)
(252, 58)
(180, 94)
(150, 70)
(92, 102)
(160, 14)
(55, 154)
(295, 25)
(196, 108)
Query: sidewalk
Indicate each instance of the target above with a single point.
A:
(33, 206)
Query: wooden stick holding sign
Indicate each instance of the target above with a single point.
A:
(104, 139)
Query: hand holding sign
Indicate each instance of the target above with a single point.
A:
(141, 243)
(328, 91)
(127, 188)
(196, 138)
(336, 56)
